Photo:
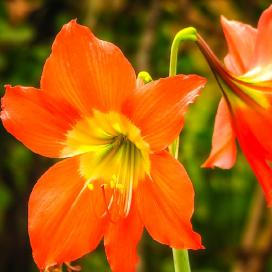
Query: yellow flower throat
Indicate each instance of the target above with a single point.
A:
(112, 152)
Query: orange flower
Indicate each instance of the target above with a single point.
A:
(245, 111)
(117, 176)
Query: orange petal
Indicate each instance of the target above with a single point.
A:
(166, 203)
(37, 121)
(158, 108)
(263, 172)
(63, 220)
(87, 72)
(241, 40)
(263, 51)
(223, 153)
(254, 130)
(121, 239)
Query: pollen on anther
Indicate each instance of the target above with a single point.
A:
(113, 181)
(119, 186)
(90, 186)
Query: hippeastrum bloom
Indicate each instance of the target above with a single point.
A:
(117, 176)
(245, 111)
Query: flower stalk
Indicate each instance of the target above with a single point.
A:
(181, 260)
(186, 34)
(180, 257)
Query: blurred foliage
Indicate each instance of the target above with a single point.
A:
(143, 29)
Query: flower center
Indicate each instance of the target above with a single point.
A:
(114, 153)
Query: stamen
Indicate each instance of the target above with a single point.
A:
(71, 268)
(107, 206)
(54, 268)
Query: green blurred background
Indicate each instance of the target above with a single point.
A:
(229, 208)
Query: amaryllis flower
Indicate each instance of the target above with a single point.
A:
(245, 111)
(117, 176)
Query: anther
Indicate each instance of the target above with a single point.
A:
(90, 186)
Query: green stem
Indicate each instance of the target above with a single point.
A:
(181, 258)
(186, 34)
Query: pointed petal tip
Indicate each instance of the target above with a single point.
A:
(269, 9)
(266, 14)
(199, 247)
(226, 23)
(223, 19)
(217, 161)
(73, 21)
(7, 86)
(72, 28)
(211, 164)
(198, 243)
(74, 24)
(195, 243)
(207, 164)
